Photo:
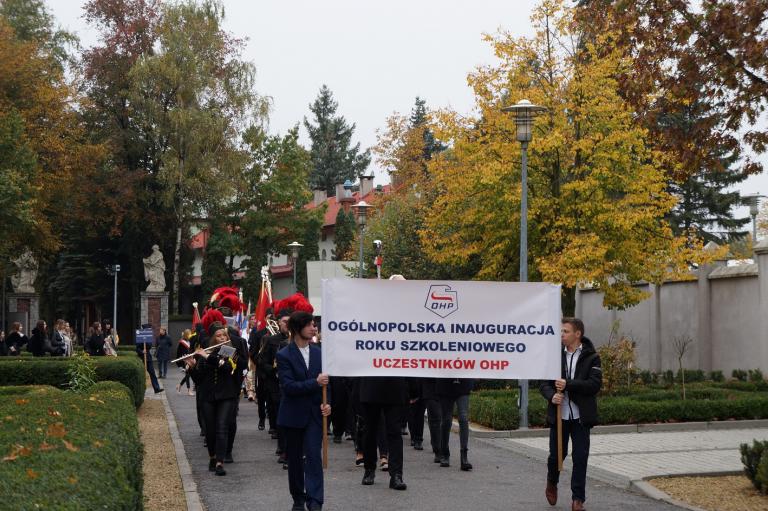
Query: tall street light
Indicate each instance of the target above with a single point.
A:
(753, 201)
(524, 112)
(362, 208)
(295, 246)
(114, 270)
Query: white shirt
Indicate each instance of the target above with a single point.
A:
(305, 353)
(570, 409)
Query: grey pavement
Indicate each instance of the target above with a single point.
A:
(502, 479)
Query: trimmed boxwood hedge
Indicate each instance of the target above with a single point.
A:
(498, 409)
(58, 444)
(127, 370)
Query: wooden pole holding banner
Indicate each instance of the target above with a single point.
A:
(559, 437)
(325, 428)
(145, 357)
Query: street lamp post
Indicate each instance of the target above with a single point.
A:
(524, 112)
(362, 208)
(114, 270)
(295, 246)
(753, 201)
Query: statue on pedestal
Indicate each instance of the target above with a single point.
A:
(154, 270)
(24, 279)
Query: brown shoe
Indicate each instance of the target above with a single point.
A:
(551, 493)
(577, 505)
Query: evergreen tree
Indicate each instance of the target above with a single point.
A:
(418, 121)
(334, 159)
(705, 203)
(344, 233)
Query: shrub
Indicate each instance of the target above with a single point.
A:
(82, 372)
(752, 458)
(739, 374)
(717, 376)
(691, 375)
(54, 372)
(495, 384)
(62, 445)
(756, 375)
(648, 377)
(617, 359)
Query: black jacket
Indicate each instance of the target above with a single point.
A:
(391, 390)
(95, 345)
(266, 361)
(15, 340)
(216, 381)
(582, 389)
(37, 342)
(454, 387)
(164, 345)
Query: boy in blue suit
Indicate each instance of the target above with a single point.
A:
(299, 367)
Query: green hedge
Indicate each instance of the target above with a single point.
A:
(498, 409)
(128, 370)
(64, 450)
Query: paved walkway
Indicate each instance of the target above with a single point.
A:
(625, 458)
(502, 479)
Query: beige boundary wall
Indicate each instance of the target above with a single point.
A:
(725, 312)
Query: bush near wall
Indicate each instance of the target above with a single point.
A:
(64, 450)
(498, 409)
(53, 371)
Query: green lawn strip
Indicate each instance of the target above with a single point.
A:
(128, 370)
(498, 409)
(63, 450)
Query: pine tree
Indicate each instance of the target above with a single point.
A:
(418, 121)
(334, 160)
(344, 235)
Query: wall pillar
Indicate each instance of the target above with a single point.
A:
(761, 258)
(154, 309)
(704, 304)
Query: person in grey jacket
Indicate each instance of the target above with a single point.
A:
(163, 351)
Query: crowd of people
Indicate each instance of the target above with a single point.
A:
(60, 342)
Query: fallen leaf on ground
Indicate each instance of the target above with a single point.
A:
(70, 447)
(31, 474)
(22, 401)
(57, 430)
(54, 413)
(45, 446)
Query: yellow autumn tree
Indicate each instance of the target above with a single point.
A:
(597, 197)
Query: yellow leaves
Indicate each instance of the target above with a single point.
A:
(98, 444)
(45, 446)
(22, 402)
(54, 413)
(92, 398)
(70, 447)
(56, 430)
(16, 451)
(32, 474)
(72, 480)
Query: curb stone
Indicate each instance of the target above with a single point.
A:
(651, 491)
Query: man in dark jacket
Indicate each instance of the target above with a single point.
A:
(575, 393)
(266, 362)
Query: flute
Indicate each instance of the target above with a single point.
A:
(189, 355)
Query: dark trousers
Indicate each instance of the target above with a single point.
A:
(393, 419)
(218, 417)
(200, 415)
(579, 436)
(305, 468)
(261, 400)
(185, 380)
(416, 420)
(151, 371)
(434, 419)
(446, 405)
(340, 394)
(233, 428)
(163, 368)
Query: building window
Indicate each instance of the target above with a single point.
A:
(324, 256)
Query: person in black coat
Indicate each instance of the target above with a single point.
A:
(255, 345)
(95, 344)
(38, 340)
(454, 391)
(575, 392)
(16, 339)
(163, 351)
(218, 380)
(388, 395)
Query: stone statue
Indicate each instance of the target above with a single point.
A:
(154, 270)
(24, 280)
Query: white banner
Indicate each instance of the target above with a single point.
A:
(448, 329)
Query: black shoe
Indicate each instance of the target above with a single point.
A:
(261, 425)
(437, 458)
(220, 470)
(337, 440)
(445, 461)
(297, 507)
(285, 466)
(314, 507)
(404, 431)
(228, 458)
(466, 466)
(396, 482)
(418, 446)
(205, 442)
(283, 459)
(272, 431)
(273, 436)
(359, 462)
(157, 391)
(212, 464)
(368, 477)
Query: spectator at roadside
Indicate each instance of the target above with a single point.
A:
(58, 345)
(163, 351)
(39, 340)
(3, 346)
(16, 339)
(95, 344)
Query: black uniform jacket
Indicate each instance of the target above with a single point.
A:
(582, 389)
(216, 381)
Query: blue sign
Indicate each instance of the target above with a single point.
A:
(145, 336)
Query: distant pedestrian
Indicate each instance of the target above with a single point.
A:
(39, 339)
(150, 366)
(575, 392)
(184, 348)
(95, 344)
(163, 351)
(16, 339)
(58, 344)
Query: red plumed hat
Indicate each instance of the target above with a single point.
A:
(228, 297)
(297, 302)
(212, 316)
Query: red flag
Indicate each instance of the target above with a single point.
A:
(195, 316)
(264, 303)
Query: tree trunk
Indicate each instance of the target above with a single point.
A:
(176, 264)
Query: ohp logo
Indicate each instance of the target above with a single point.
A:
(441, 300)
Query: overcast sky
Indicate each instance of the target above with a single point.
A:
(376, 57)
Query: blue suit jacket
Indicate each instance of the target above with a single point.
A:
(301, 394)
